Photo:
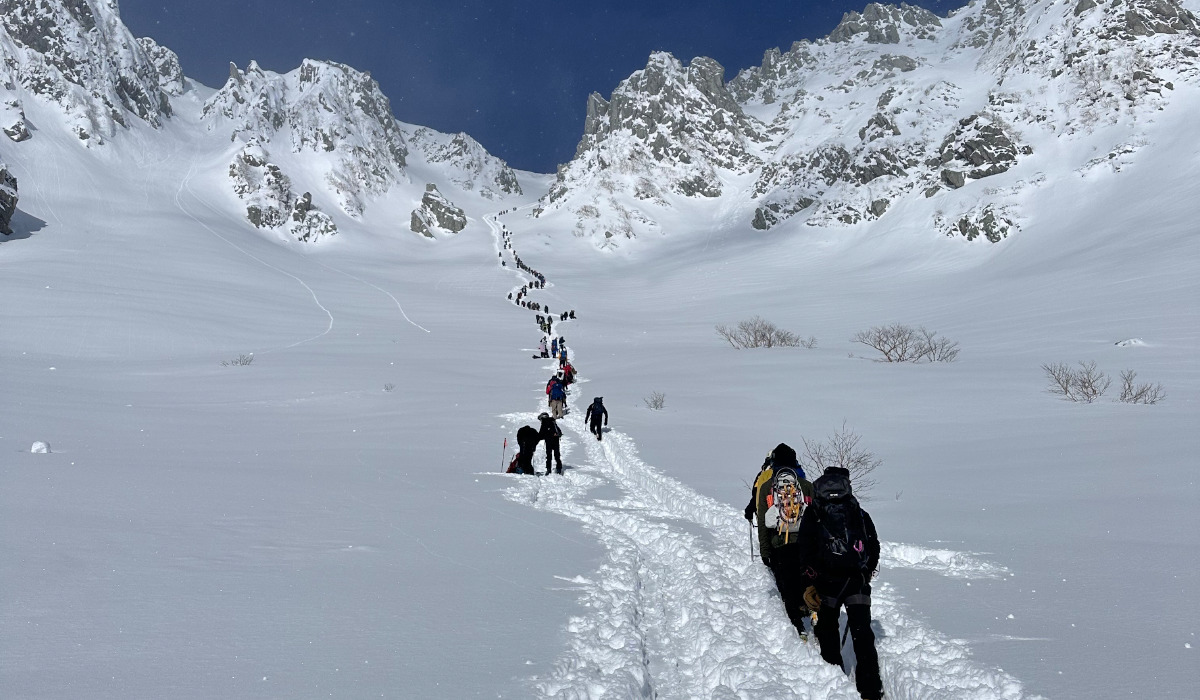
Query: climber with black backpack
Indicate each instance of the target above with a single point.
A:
(777, 502)
(838, 541)
(527, 440)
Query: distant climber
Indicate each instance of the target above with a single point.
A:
(592, 417)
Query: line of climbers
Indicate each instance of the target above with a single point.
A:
(823, 550)
(816, 539)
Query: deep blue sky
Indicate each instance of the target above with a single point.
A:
(515, 75)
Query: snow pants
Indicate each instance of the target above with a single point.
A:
(552, 451)
(557, 408)
(595, 428)
(791, 582)
(856, 596)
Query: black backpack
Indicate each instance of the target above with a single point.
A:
(842, 548)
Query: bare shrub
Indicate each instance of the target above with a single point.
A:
(655, 400)
(842, 450)
(1091, 383)
(901, 343)
(239, 361)
(1082, 384)
(1061, 378)
(935, 349)
(389, 387)
(1139, 393)
(809, 343)
(758, 332)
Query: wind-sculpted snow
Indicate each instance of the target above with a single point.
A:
(680, 608)
(81, 58)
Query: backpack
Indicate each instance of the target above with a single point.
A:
(785, 504)
(557, 393)
(842, 542)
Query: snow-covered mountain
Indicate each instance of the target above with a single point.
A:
(324, 129)
(81, 58)
(896, 104)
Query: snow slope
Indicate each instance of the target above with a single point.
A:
(330, 520)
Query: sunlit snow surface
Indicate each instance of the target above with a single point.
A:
(289, 528)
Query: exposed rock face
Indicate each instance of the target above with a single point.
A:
(664, 132)
(166, 63)
(468, 164)
(320, 107)
(989, 221)
(885, 24)
(437, 214)
(77, 55)
(8, 199)
(270, 201)
(978, 148)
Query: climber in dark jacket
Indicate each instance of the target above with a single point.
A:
(550, 433)
(843, 573)
(527, 440)
(593, 414)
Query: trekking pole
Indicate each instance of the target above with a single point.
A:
(503, 454)
(751, 543)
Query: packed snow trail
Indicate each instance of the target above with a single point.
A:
(682, 610)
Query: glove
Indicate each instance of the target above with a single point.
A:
(750, 512)
(812, 599)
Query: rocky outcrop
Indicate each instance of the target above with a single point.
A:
(437, 214)
(466, 163)
(886, 24)
(12, 118)
(669, 131)
(78, 56)
(8, 199)
(978, 148)
(990, 221)
(321, 107)
(166, 65)
(270, 201)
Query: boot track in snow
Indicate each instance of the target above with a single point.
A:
(679, 610)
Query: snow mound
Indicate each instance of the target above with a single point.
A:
(40, 447)
(1131, 343)
(894, 555)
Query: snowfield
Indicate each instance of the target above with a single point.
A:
(277, 468)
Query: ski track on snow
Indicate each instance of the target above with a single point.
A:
(681, 609)
(185, 185)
